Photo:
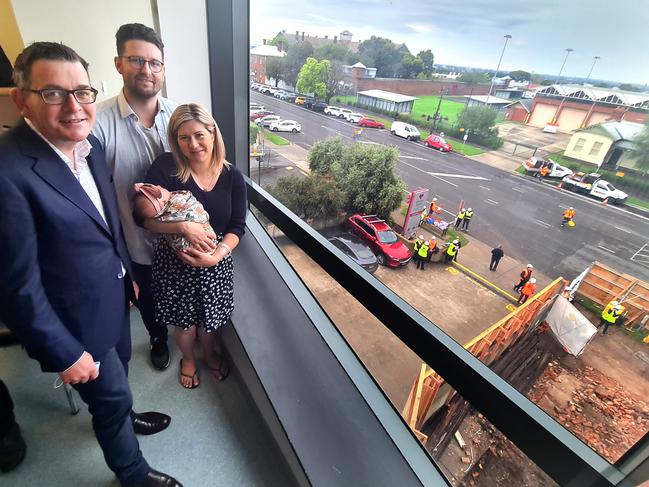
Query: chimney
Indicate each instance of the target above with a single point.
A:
(326, 37)
(264, 41)
(302, 35)
(335, 39)
(297, 35)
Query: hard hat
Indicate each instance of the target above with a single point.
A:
(618, 305)
(434, 199)
(615, 303)
(433, 238)
(456, 241)
(571, 208)
(421, 237)
(470, 209)
(530, 266)
(533, 281)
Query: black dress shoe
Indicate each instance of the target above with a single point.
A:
(159, 479)
(12, 449)
(149, 423)
(159, 353)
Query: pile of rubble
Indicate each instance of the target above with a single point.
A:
(600, 412)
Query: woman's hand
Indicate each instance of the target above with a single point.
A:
(195, 258)
(200, 239)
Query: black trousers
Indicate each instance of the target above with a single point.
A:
(465, 223)
(493, 264)
(605, 323)
(145, 302)
(7, 418)
(458, 221)
(421, 262)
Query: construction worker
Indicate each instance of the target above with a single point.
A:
(459, 218)
(434, 208)
(432, 247)
(610, 315)
(525, 276)
(568, 216)
(467, 219)
(415, 249)
(528, 289)
(451, 251)
(357, 133)
(543, 172)
(424, 215)
(423, 255)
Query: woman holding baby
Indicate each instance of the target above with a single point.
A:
(193, 284)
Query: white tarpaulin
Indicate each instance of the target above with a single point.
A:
(570, 327)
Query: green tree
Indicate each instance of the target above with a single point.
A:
(313, 196)
(275, 69)
(296, 56)
(478, 120)
(411, 66)
(313, 77)
(427, 61)
(546, 82)
(366, 174)
(331, 51)
(520, 75)
(324, 154)
(335, 80)
(628, 87)
(641, 142)
(280, 41)
(252, 133)
(385, 57)
(474, 77)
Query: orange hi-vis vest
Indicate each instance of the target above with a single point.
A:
(569, 213)
(528, 289)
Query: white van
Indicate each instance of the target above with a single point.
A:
(405, 130)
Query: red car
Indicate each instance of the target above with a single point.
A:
(438, 142)
(381, 238)
(370, 122)
(258, 114)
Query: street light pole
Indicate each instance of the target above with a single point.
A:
(595, 58)
(502, 53)
(439, 104)
(568, 51)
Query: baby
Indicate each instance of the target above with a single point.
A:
(153, 201)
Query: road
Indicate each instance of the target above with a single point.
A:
(517, 212)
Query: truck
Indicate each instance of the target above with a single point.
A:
(534, 164)
(592, 184)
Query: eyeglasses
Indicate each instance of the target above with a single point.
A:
(58, 96)
(138, 62)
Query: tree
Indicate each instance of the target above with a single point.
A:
(366, 174)
(520, 75)
(334, 80)
(628, 87)
(385, 57)
(546, 82)
(474, 77)
(313, 77)
(280, 41)
(478, 120)
(427, 59)
(331, 52)
(313, 196)
(252, 133)
(296, 56)
(275, 69)
(641, 142)
(411, 66)
(324, 154)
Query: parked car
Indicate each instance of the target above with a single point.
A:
(534, 165)
(381, 238)
(354, 117)
(299, 100)
(332, 110)
(370, 122)
(286, 126)
(268, 120)
(318, 106)
(256, 106)
(273, 91)
(592, 184)
(265, 90)
(290, 97)
(343, 112)
(405, 130)
(438, 142)
(279, 94)
(255, 114)
(354, 248)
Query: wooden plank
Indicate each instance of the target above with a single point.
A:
(415, 404)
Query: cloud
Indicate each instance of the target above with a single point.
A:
(419, 28)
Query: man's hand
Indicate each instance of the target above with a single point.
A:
(195, 258)
(198, 237)
(136, 291)
(81, 372)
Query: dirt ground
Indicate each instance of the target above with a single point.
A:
(390, 362)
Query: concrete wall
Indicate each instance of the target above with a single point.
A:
(415, 87)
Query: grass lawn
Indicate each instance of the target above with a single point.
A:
(424, 105)
(638, 202)
(275, 139)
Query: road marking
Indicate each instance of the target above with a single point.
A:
(604, 248)
(461, 176)
(442, 179)
(485, 188)
(624, 230)
(642, 255)
(563, 207)
(425, 172)
(492, 202)
(452, 270)
(518, 190)
(412, 157)
(369, 142)
(511, 308)
(543, 223)
(640, 250)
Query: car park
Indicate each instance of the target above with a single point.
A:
(405, 130)
(265, 90)
(268, 120)
(281, 94)
(385, 244)
(354, 117)
(370, 122)
(354, 248)
(332, 110)
(286, 126)
(256, 106)
(299, 100)
(438, 142)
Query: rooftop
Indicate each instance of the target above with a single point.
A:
(387, 95)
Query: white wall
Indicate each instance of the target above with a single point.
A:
(88, 27)
(183, 26)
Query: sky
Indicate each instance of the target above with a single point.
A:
(471, 32)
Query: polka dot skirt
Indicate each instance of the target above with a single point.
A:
(187, 296)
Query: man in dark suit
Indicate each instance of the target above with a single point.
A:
(64, 268)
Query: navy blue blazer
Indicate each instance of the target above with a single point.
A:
(61, 284)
